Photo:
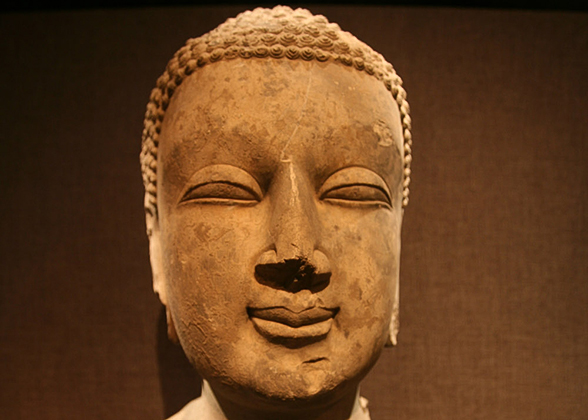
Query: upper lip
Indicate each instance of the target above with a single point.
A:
(293, 318)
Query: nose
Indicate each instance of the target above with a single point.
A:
(294, 262)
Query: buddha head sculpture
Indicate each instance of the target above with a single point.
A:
(276, 162)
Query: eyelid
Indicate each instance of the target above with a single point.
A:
(354, 176)
(223, 174)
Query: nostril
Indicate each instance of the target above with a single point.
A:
(321, 281)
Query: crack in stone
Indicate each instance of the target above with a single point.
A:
(282, 155)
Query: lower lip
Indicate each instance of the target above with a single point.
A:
(277, 331)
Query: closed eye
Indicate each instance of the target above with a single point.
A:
(221, 192)
(358, 192)
(356, 187)
(222, 185)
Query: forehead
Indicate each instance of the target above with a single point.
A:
(253, 114)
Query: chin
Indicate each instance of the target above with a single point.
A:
(308, 384)
(306, 387)
(314, 389)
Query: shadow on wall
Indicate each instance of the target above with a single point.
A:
(179, 381)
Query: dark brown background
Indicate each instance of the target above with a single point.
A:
(495, 251)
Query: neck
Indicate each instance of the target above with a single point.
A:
(213, 408)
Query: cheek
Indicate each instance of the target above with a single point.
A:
(208, 272)
(365, 256)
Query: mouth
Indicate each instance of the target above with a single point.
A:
(292, 328)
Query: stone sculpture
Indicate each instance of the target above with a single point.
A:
(276, 162)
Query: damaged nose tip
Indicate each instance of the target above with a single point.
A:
(316, 259)
(293, 274)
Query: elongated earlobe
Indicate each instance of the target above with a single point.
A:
(392, 339)
(171, 327)
(159, 281)
(156, 258)
(394, 327)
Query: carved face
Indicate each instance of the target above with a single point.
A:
(277, 244)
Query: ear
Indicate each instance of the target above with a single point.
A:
(392, 339)
(156, 257)
(394, 321)
(159, 279)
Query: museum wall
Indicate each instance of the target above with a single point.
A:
(494, 291)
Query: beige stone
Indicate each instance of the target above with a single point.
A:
(276, 166)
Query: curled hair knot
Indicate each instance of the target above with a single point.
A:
(277, 51)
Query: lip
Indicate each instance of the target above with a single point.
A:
(281, 323)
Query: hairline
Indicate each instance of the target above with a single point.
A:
(180, 67)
